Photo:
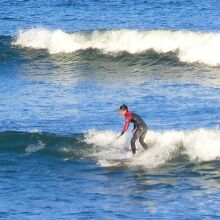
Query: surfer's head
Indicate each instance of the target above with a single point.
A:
(123, 110)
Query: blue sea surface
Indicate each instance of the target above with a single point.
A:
(66, 67)
(77, 15)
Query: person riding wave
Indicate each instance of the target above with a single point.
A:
(139, 130)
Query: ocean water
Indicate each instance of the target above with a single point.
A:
(66, 67)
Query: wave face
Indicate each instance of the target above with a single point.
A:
(48, 144)
(190, 47)
(164, 147)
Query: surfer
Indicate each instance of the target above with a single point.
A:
(140, 128)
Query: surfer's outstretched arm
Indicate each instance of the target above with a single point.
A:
(128, 117)
(127, 122)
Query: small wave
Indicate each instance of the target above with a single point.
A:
(45, 143)
(189, 46)
(164, 147)
(197, 145)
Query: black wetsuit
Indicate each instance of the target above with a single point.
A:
(141, 129)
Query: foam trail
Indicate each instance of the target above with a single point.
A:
(35, 147)
(198, 145)
(189, 46)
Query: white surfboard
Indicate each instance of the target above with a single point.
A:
(119, 161)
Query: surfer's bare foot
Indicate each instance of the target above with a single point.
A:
(134, 155)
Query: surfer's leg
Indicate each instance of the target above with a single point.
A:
(141, 139)
(133, 140)
(133, 147)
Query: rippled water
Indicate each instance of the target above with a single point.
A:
(66, 67)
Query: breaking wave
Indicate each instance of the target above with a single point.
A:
(196, 146)
(164, 147)
(189, 46)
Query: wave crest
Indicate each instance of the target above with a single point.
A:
(189, 46)
(197, 145)
(168, 146)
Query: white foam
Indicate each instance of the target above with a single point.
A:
(203, 145)
(35, 147)
(198, 145)
(189, 46)
(34, 130)
(105, 145)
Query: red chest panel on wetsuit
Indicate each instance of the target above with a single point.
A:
(128, 117)
(134, 118)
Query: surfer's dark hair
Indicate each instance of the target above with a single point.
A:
(124, 107)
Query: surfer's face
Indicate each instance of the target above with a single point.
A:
(122, 112)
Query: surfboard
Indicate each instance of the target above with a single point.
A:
(121, 161)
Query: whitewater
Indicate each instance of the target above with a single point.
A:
(189, 46)
(196, 146)
(167, 147)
